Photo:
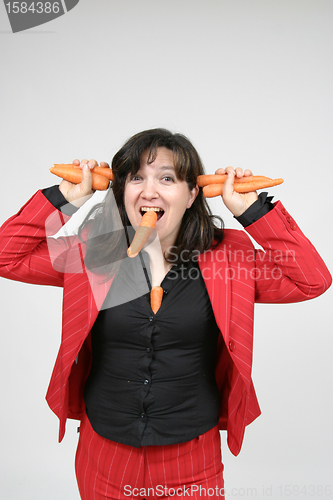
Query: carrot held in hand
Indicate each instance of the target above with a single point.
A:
(143, 232)
(241, 185)
(74, 175)
(106, 171)
(156, 295)
(205, 180)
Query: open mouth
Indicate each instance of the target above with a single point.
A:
(159, 211)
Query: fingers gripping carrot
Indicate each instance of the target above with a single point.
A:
(241, 185)
(143, 232)
(101, 175)
(156, 295)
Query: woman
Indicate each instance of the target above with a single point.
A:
(153, 390)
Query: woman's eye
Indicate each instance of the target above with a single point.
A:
(168, 178)
(135, 178)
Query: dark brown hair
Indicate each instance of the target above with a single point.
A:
(198, 231)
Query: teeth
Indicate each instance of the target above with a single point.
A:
(151, 209)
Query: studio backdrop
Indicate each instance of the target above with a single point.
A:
(249, 82)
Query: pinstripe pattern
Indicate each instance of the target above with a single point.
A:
(236, 275)
(106, 469)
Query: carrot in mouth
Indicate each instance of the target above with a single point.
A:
(143, 232)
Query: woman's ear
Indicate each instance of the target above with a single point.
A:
(193, 194)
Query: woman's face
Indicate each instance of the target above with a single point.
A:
(156, 186)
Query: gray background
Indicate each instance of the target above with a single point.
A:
(250, 83)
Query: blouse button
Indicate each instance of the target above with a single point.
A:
(143, 415)
(151, 318)
(146, 382)
(148, 349)
(231, 346)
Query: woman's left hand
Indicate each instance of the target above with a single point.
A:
(237, 203)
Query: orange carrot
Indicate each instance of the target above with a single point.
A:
(242, 185)
(247, 187)
(203, 180)
(143, 232)
(212, 190)
(252, 178)
(156, 295)
(106, 171)
(74, 175)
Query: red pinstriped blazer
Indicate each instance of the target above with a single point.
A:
(236, 276)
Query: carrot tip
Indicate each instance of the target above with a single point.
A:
(130, 254)
(156, 296)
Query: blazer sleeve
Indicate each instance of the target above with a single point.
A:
(28, 252)
(289, 269)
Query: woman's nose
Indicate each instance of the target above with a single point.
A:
(149, 190)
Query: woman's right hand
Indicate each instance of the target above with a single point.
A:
(78, 194)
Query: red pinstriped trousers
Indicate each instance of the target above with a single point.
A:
(109, 470)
